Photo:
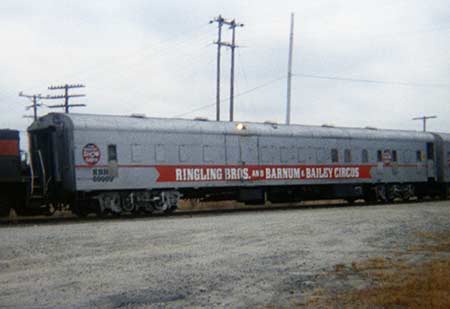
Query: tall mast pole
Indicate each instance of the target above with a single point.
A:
(289, 76)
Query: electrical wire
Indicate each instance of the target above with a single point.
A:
(237, 95)
(370, 81)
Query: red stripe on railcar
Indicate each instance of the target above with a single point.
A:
(9, 148)
(171, 173)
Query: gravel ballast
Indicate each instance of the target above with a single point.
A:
(239, 259)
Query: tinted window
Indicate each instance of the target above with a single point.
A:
(364, 156)
(334, 156)
(430, 151)
(394, 156)
(418, 156)
(112, 153)
(347, 156)
(379, 156)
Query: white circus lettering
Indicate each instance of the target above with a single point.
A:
(198, 174)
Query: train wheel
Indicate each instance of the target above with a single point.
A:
(127, 204)
(381, 193)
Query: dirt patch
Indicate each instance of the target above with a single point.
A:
(420, 278)
(196, 204)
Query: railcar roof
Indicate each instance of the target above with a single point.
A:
(9, 134)
(445, 136)
(133, 123)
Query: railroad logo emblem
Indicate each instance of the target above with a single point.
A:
(91, 154)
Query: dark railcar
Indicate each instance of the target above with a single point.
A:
(12, 178)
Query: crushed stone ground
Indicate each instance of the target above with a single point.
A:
(234, 260)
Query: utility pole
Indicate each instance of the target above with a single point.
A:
(66, 96)
(34, 99)
(219, 20)
(289, 76)
(222, 21)
(424, 119)
(233, 46)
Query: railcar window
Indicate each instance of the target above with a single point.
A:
(379, 156)
(347, 156)
(365, 156)
(182, 153)
(112, 153)
(301, 154)
(407, 156)
(394, 156)
(284, 154)
(418, 156)
(430, 151)
(267, 154)
(320, 155)
(334, 156)
(136, 153)
(160, 153)
(212, 153)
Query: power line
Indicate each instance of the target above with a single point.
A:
(384, 82)
(237, 95)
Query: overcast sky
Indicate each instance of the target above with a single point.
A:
(157, 58)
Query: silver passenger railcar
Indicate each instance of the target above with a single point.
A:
(134, 163)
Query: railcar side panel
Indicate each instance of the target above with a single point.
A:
(156, 160)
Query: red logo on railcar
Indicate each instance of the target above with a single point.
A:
(91, 154)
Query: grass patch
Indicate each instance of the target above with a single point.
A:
(392, 282)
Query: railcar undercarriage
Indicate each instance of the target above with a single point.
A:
(166, 201)
(122, 202)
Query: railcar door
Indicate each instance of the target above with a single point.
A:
(45, 161)
(431, 172)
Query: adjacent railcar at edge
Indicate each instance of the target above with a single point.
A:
(99, 163)
(12, 182)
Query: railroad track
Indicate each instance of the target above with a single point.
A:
(62, 218)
